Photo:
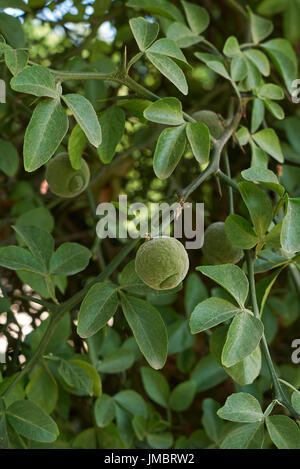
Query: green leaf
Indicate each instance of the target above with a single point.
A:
(116, 362)
(32, 422)
(212, 120)
(210, 313)
(290, 234)
(295, 399)
(283, 431)
(76, 146)
(85, 440)
(98, 306)
(239, 232)
(37, 282)
(19, 4)
(36, 80)
(156, 386)
(275, 109)
(212, 424)
(180, 337)
(168, 47)
(270, 91)
(12, 30)
(9, 439)
(195, 291)
(231, 278)
(259, 158)
(169, 150)
(75, 376)
(109, 438)
(159, 7)
(62, 333)
(231, 47)
(247, 436)
(169, 69)
(136, 107)
(253, 76)
(148, 328)
(160, 440)
(199, 139)
(214, 63)
(263, 176)
(42, 390)
(165, 111)
(16, 60)
(197, 17)
(291, 21)
(258, 113)
(17, 393)
(45, 131)
(182, 396)
(207, 373)
(238, 68)
(17, 258)
(272, 239)
(112, 122)
(69, 259)
(124, 425)
(243, 336)
(260, 27)
(182, 35)
(247, 370)
(267, 140)
(139, 424)
(259, 59)
(132, 402)
(104, 410)
(244, 372)
(241, 407)
(243, 136)
(39, 242)
(259, 206)
(271, 7)
(9, 161)
(144, 32)
(85, 116)
(5, 305)
(284, 58)
(40, 217)
(92, 372)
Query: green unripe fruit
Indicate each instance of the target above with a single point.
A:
(65, 181)
(162, 263)
(217, 248)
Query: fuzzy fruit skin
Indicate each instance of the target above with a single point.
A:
(217, 248)
(162, 263)
(65, 181)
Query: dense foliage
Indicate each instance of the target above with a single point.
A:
(161, 100)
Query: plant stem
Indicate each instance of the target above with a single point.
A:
(230, 190)
(231, 183)
(280, 394)
(120, 78)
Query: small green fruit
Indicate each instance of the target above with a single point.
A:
(65, 181)
(217, 248)
(162, 263)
